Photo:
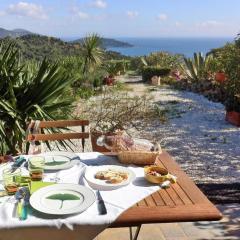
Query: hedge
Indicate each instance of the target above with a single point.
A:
(149, 72)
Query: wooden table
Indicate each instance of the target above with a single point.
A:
(182, 202)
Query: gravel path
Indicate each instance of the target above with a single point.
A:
(196, 135)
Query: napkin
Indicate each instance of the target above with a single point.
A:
(35, 185)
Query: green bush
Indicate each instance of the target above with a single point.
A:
(149, 71)
(29, 91)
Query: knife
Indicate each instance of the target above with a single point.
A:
(101, 205)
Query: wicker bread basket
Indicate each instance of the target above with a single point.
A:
(137, 157)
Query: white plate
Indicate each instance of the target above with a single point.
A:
(82, 198)
(102, 184)
(59, 160)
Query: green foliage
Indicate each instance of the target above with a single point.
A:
(163, 60)
(159, 59)
(110, 55)
(84, 92)
(121, 86)
(136, 64)
(231, 62)
(114, 67)
(91, 53)
(196, 69)
(27, 92)
(149, 72)
(227, 59)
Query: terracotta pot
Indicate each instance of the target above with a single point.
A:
(233, 118)
(220, 77)
(94, 137)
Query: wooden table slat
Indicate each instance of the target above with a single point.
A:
(150, 201)
(176, 199)
(181, 194)
(166, 198)
(158, 199)
(142, 203)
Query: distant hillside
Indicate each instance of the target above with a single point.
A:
(37, 47)
(109, 42)
(13, 33)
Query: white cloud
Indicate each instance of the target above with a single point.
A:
(132, 14)
(162, 17)
(78, 13)
(209, 23)
(178, 24)
(82, 15)
(24, 9)
(99, 4)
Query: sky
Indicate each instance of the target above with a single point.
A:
(123, 18)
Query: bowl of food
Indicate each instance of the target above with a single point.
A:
(156, 174)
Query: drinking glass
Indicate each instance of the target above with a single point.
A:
(11, 180)
(36, 167)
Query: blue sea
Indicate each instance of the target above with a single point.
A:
(186, 46)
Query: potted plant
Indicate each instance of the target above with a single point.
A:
(231, 56)
(113, 68)
(216, 66)
(233, 110)
(113, 111)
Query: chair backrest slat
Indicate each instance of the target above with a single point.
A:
(81, 134)
(57, 136)
(63, 123)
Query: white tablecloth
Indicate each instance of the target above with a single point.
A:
(116, 201)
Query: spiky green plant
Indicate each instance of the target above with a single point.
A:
(27, 92)
(196, 68)
(91, 52)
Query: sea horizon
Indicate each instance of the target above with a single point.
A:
(174, 45)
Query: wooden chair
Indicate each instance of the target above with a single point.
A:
(42, 136)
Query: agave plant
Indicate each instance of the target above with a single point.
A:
(30, 91)
(196, 69)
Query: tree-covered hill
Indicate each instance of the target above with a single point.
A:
(37, 47)
(13, 33)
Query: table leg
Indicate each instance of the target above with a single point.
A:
(135, 237)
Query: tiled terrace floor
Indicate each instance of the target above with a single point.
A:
(226, 229)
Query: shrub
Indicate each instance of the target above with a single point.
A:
(149, 72)
(28, 92)
(113, 110)
(164, 60)
(196, 68)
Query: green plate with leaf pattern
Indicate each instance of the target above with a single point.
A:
(62, 199)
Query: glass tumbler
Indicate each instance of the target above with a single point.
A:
(36, 167)
(11, 180)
